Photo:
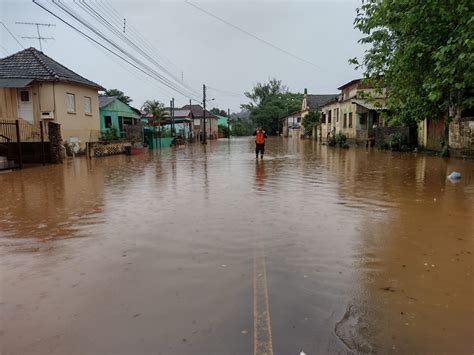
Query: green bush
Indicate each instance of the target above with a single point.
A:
(395, 141)
(341, 139)
(109, 134)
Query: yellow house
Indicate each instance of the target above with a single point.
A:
(34, 87)
(352, 113)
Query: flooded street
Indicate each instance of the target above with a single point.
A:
(203, 250)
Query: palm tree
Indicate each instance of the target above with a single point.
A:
(157, 110)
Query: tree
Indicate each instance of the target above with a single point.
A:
(311, 120)
(219, 112)
(270, 102)
(157, 110)
(422, 52)
(116, 92)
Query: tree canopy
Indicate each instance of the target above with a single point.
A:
(217, 111)
(116, 92)
(270, 102)
(157, 110)
(422, 52)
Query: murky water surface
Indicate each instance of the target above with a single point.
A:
(365, 252)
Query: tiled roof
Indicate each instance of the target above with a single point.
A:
(315, 101)
(33, 64)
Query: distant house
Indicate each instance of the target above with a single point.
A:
(115, 113)
(312, 103)
(34, 87)
(352, 112)
(292, 125)
(211, 121)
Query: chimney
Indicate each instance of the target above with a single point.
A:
(306, 91)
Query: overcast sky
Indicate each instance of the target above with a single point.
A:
(192, 44)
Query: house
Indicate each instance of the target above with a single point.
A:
(35, 88)
(115, 113)
(312, 103)
(211, 121)
(352, 112)
(292, 125)
(182, 120)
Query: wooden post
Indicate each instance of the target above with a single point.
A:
(42, 143)
(20, 155)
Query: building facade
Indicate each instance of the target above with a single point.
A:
(35, 88)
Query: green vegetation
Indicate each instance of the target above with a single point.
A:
(217, 111)
(269, 103)
(116, 92)
(311, 120)
(224, 129)
(242, 127)
(422, 52)
(110, 134)
(341, 140)
(157, 110)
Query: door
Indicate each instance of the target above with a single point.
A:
(25, 104)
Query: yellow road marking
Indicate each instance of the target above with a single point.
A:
(262, 328)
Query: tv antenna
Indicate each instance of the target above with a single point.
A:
(39, 38)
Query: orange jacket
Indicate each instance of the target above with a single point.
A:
(260, 137)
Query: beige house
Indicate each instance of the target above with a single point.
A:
(313, 103)
(352, 113)
(34, 87)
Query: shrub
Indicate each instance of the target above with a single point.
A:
(341, 139)
(109, 134)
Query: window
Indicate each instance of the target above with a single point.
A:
(323, 118)
(71, 103)
(24, 96)
(87, 105)
(350, 119)
(108, 121)
(329, 117)
(363, 119)
(345, 120)
(337, 114)
(298, 119)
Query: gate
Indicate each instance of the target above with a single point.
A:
(22, 142)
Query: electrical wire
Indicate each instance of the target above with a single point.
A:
(274, 46)
(104, 47)
(131, 58)
(11, 34)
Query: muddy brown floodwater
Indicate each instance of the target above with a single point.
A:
(203, 250)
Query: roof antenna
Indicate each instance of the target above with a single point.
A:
(39, 38)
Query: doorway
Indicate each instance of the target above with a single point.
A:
(25, 104)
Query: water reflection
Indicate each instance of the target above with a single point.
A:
(365, 250)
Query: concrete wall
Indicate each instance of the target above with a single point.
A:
(461, 137)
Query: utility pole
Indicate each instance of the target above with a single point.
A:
(204, 138)
(173, 129)
(228, 123)
(39, 38)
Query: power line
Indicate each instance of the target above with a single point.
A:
(121, 35)
(131, 58)
(129, 61)
(16, 39)
(252, 35)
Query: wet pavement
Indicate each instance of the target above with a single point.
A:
(203, 250)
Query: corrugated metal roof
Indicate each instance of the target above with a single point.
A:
(370, 105)
(106, 100)
(316, 101)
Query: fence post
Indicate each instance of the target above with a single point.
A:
(20, 155)
(42, 143)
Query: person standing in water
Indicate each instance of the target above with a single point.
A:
(260, 136)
